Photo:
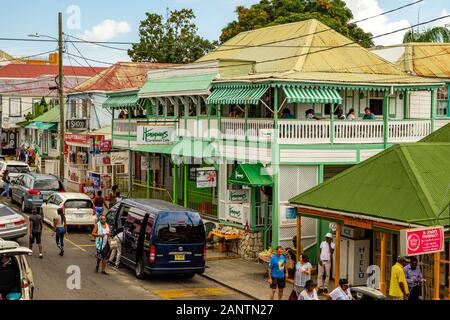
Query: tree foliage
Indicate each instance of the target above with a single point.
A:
(435, 34)
(39, 108)
(333, 13)
(172, 41)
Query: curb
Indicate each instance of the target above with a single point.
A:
(228, 286)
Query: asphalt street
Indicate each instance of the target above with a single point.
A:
(54, 276)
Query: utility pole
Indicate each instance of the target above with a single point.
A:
(62, 123)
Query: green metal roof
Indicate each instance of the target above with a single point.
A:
(254, 175)
(441, 135)
(309, 95)
(404, 183)
(236, 96)
(121, 101)
(41, 125)
(51, 116)
(176, 86)
(155, 148)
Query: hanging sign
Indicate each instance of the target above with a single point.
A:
(155, 134)
(96, 180)
(234, 212)
(239, 196)
(105, 145)
(118, 158)
(206, 177)
(288, 215)
(420, 241)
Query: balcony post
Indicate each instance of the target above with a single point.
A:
(433, 108)
(246, 122)
(275, 172)
(112, 127)
(175, 184)
(185, 182)
(129, 127)
(386, 119)
(219, 120)
(332, 123)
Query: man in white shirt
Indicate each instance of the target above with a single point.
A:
(325, 260)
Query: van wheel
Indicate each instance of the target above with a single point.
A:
(139, 271)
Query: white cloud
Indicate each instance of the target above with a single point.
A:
(380, 25)
(107, 30)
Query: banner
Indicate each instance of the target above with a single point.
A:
(206, 177)
(234, 212)
(420, 241)
(105, 145)
(155, 134)
(95, 177)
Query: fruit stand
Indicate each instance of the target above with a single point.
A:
(225, 237)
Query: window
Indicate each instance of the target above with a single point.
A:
(327, 108)
(47, 185)
(54, 140)
(18, 169)
(133, 224)
(376, 106)
(442, 101)
(78, 204)
(180, 228)
(15, 107)
(85, 108)
(170, 109)
(73, 109)
(203, 111)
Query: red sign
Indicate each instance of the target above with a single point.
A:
(76, 138)
(105, 145)
(419, 241)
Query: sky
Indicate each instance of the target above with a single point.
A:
(118, 20)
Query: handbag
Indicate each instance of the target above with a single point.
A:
(293, 295)
(113, 244)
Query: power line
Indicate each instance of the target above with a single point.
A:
(98, 44)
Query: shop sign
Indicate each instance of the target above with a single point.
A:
(239, 196)
(76, 138)
(77, 124)
(358, 223)
(206, 177)
(96, 180)
(235, 212)
(288, 216)
(105, 145)
(88, 189)
(102, 160)
(118, 158)
(154, 134)
(266, 134)
(420, 241)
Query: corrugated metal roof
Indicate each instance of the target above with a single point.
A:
(27, 71)
(441, 135)
(120, 76)
(403, 183)
(426, 59)
(51, 116)
(177, 85)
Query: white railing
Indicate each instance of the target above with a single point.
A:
(198, 128)
(408, 130)
(303, 132)
(235, 129)
(125, 126)
(358, 131)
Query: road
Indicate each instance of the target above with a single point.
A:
(51, 275)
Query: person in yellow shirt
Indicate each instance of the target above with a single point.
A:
(398, 289)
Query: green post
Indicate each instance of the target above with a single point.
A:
(275, 168)
(385, 119)
(405, 105)
(112, 127)
(433, 108)
(246, 122)
(332, 124)
(148, 183)
(129, 127)
(320, 222)
(252, 207)
(185, 183)
(175, 184)
(219, 120)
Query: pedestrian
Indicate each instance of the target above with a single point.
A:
(99, 203)
(325, 261)
(277, 273)
(310, 292)
(398, 288)
(101, 232)
(340, 114)
(342, 292)
(302, 273)
(60, 229)
(116, 250)
(113, 196)
(6, 182)
(414, 279)
(36, 231)
(368, 115)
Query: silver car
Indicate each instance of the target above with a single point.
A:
(12, 225)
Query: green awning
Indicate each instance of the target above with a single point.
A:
(41, 125)
(254, 175)
(121, 101)
(307, 95)
(236, 95)
(155, 148)
(177, 86)
(195, 149)
(51, 116)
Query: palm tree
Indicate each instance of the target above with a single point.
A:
(435, 34)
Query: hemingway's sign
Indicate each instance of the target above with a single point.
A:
(419, 241)
(154, 134)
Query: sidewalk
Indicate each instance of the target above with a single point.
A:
(245, 277)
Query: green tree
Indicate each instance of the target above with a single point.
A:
(435, 34)
(333, 13)
(39, 108)
(172, 41)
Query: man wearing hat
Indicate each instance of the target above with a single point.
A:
(398, 288)
(325, 260)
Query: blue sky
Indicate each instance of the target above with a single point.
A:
(118, 20)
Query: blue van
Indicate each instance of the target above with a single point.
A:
(159, 237)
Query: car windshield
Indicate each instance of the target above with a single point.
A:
(5, 211)
(180, 228)
(78, 204)
(47, 185)
(17, 169)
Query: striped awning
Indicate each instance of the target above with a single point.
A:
(236, 95)
(308, 95)
(122, 101)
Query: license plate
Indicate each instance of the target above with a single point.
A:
(179, 257)
(79, 216)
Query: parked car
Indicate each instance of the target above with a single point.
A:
(366, 293)
(16, 278)
(78, 208)
(12, 225)
(31, 189)
(15, 169)
(159, 237)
